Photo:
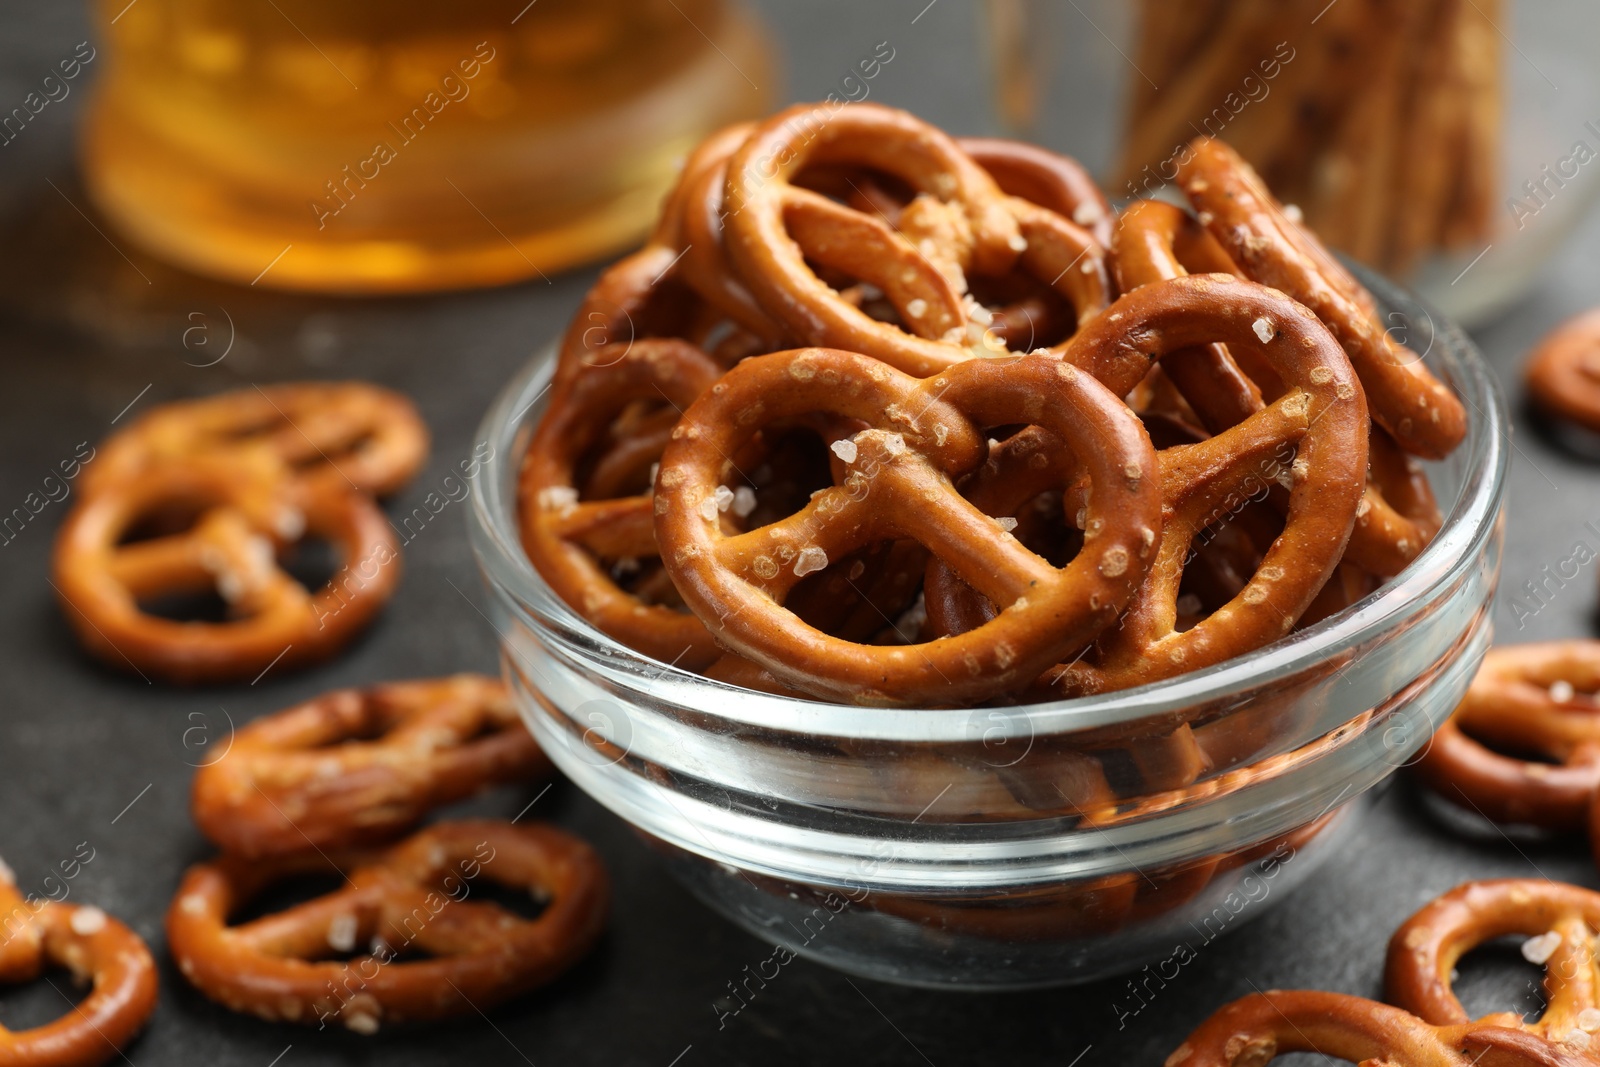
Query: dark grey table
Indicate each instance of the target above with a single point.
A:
(91, 756)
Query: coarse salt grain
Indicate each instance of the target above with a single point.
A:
(1589, 1020)
(1017, 242)
(708, 509)
(1562, 691)
(291, 524)
(342, 933)
(724, 498)
(811, 559)
(917, 308)
(894, 444)
(744, 501)
(1293, 213)
(1541, 948)
(1264, 329)
(558, 497)
(845, 449)
(1087, 213)
(1006, 523)
(86, 921)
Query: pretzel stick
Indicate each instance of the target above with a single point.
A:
(1284, 131)
(1171, 34)
(1430, 141)
(1203, 84)
(1355, 188)
(1479, 58)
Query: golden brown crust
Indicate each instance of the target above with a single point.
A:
(97, 949)
(1424, 951)
(575, 543)
(354, 767)
(921, 435)
(1417, 409)
(1563, 373)
(1320, 419)
(236, 514)
(1516, 704)
(1253, 1030)
(414, 898)
(354, 435)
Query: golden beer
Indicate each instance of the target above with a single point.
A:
(362, 147)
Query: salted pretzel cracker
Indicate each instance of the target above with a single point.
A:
(354, 435)
(1398, 515)
(1532, 700)
(1405, 398)
(240, 512)
(418, 946)
(1253, 1030)
(99, 951)
(922, 434)
(353, 767)
(1563, 373)
(958, 223)
(1424, 951)
(566, 537)
(1318, 429)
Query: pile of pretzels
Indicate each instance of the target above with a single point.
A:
(411, 932)
(884, 417)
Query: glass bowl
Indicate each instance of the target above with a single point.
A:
(1019, 846)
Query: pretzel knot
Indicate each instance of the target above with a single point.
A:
(1313, 438)
(1253, 1030)
(958, 222)
(416, 945)
(1398, 516)
(569, 538)
(352, 766)
(1406, 399)
(1535, 701)
(897, 484)
(220, 525)
(1563, 374)
(97, 949)
(1564, 918)
(350, 434)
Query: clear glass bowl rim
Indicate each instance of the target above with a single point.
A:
(1468, 523)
